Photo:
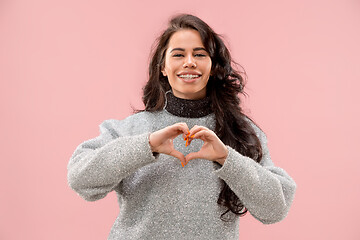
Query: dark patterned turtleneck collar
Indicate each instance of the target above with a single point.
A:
(186, 107)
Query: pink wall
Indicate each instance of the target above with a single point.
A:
(65, 66)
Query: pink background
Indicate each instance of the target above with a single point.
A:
(65, 66)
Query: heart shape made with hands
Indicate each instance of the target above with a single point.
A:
(213, 148)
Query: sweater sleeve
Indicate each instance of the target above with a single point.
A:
(265, 190)
(98, 165)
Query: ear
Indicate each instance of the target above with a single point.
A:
(163, 72)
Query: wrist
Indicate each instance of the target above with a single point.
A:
(150, 143)
(222, 160)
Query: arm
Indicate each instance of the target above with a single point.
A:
(265, 190)
(98, 165)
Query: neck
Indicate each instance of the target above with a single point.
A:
(187, 107)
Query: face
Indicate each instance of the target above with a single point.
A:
(187, 65)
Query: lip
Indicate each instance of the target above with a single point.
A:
(189, 72)
(189, 80)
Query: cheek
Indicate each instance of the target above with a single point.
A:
(169, 68)
(173, 64)
(208, 69)
(207, 66)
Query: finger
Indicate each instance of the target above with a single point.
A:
(179, 156)
(186, 136)
(196, 129)
(192, 155)
(181, 128)
(190, 140)
(191, 136)
(204, 135)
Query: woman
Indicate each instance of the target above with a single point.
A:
(192, 116)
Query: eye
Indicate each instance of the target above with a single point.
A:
(178, 55)
(200, 55)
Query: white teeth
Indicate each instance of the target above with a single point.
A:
(189, 76)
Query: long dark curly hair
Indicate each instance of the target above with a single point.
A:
(224, 85)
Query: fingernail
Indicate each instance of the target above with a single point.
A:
(182, 164)
(192, 136)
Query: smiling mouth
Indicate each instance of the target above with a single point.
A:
(188, 77)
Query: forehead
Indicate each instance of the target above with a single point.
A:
(185, 38)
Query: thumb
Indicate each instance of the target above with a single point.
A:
(179, 156)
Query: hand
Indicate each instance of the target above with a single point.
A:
(161, 141)
(213, 148)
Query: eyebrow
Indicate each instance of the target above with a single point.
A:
(182, 49)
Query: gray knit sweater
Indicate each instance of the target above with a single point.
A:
(160, 199)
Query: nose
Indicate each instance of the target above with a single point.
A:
(189, 62)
